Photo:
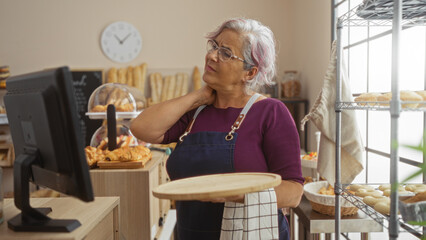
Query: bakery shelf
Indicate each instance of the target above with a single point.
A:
(398, 17)
(379, 13)
(379, 106)
(376, 216)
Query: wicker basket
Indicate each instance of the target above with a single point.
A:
(329, 210)
(324, 204)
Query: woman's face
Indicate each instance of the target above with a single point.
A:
(228, 75)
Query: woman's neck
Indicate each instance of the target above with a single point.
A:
(235, 100)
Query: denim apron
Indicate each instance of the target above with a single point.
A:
(199, 154)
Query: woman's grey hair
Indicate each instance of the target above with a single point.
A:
(258, 49)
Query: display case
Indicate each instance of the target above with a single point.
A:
(128, 101)
(372, 13)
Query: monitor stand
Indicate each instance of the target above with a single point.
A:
(33, 219)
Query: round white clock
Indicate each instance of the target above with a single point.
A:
(121, 42)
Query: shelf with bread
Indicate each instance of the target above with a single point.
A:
(390, 17)
(371, 199)
(374, 201)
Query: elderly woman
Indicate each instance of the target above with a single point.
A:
(227, 127)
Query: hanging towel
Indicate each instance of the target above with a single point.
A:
(256, 218)
(323, 116)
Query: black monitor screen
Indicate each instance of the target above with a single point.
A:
(42, 113)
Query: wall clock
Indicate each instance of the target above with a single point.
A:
(121, 42)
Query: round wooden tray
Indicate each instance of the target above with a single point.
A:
(216, 186)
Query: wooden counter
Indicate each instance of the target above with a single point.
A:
(140, 212)
(99, 219)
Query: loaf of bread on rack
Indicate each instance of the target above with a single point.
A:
(367, 97)
(403, 96)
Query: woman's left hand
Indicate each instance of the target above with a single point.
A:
(236, 198)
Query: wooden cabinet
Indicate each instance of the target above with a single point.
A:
(140, 211)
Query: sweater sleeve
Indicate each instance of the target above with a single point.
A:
(281, 143)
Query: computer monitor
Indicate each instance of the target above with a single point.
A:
(42, 113)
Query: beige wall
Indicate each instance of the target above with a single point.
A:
(39, 34)
(43, 33)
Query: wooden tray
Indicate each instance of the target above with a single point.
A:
(120, 165)
(216, 186)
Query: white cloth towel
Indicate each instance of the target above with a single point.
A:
(256, 218)
(323, 116)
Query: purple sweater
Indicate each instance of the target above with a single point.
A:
(267, 140)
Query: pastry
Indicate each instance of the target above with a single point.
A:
(382, 207)
(417, 198)
(371, 201)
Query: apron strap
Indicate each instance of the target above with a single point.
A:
(241, 117)
(234, 127)
(188, 129)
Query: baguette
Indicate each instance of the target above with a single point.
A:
(171, 88)
(185, 84)
(178, 85)
(156, 87)
(112, 75)
(122, 75)
(141, 83)
(137, 77)
(196, 78)
(165, 90)
(129, 79)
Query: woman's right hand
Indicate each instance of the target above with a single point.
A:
(207, 95)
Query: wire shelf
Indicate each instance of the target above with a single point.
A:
(381, 106)
(380, 13)
(376, 216)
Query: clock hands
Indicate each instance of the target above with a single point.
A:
(118, 39)
(122, 41)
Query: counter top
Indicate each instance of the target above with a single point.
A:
(104, 210)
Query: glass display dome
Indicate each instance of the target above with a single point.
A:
(128, 101)
(124, 137)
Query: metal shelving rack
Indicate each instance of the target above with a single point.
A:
(397, 23)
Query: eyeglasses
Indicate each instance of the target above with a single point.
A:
(223, 53)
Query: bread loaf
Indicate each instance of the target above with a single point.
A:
(112, 75)
(165, 89)
(185, 85)
(122, 72)
(178, 87)
(129, 77)
(404, 96)
(156, 82)
(367, 97)
(196, 78)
